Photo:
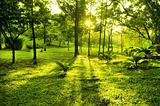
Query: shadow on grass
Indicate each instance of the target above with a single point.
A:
(144, 83)
(41, 91)
(83, 86)
(25, 89)
(90, 86)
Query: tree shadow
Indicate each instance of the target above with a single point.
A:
(144, 83)
(42, 90)
(90, 87)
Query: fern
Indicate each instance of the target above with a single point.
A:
(63, 66)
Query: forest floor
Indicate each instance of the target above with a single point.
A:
(88, 81)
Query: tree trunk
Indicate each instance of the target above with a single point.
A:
(76, 30)
(60, 43)
(89, 43)
(44, 37)
(34, 37)
(0, 41)
(81, 43)
(109, 41)
(104, 39)
(13, 53)
(100, 34)
(68, 43)
(121, 44)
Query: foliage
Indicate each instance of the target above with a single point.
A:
(136, 58)
(107, 56)
(39, 44)
(64, 67)
(18, 43)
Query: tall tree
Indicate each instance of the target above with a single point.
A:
(0, 41)
(33, 34)
(73, 8)
(44, 15)
(76, 30)
(89, 29)
(100, 31)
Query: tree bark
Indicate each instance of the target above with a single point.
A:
(44, 37)
(100, 35)
(89, 42)
(76, 30)
(0, 41)
(13, 53)
(111, 38)
(104, 39)
(68, 42)
(121, 44)
(34, 37)
(109, 41)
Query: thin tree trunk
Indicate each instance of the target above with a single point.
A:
(76, 30)
(121, 44)
(0, 41)
(13, 53)
(100, 35)
(81, 43)
(89, 43)
(68, 43)
(44, 37)
(109, 41)
(104, 39)
(34, 38)
(60, 43)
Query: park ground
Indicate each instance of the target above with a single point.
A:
(87, 82)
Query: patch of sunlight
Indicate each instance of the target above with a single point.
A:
(32, 72)
(120, 75)
(71, 92)
(13, 85)
(73, 74)
(116, 95)
(19, 77)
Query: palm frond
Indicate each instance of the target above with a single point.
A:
(63, 66)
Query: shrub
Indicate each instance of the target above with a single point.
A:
(18, 43)
(107, 56)
(29, 45)
(135, 59)
(39, 44)
(64, 67)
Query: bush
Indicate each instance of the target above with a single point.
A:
(135, 59)
(39, 44)
(29, 45)
(107, 56)
(18, 43)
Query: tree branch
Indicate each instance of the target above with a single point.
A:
(146, 29)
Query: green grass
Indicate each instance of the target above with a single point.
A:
(88, 81)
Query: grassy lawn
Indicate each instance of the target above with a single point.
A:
(88, 82)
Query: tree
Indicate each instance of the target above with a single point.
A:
(142, 17)
(44, 17)
(33, 8)
(13, 22)
(73, 8)
(33, 34)
(0, 41)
